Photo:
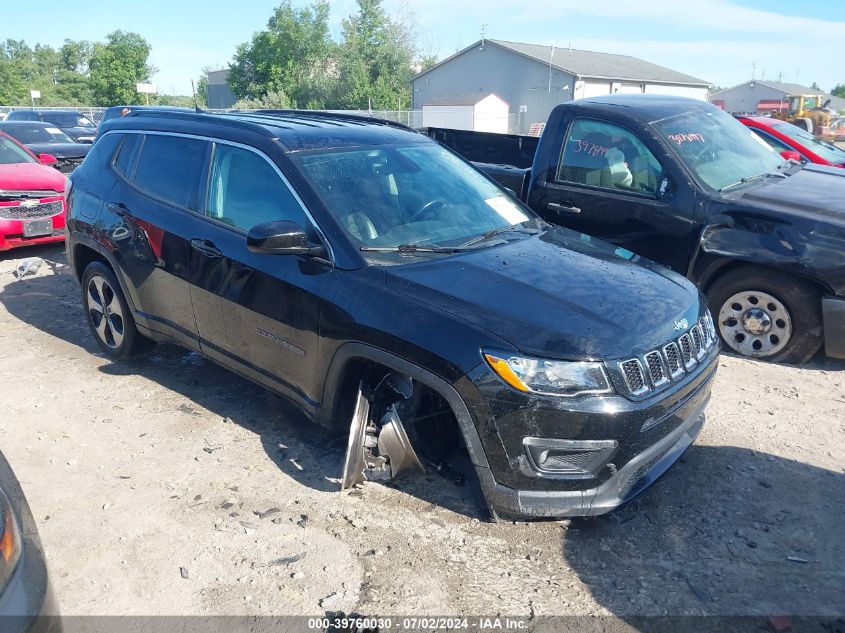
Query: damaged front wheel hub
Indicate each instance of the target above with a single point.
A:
(377, 450)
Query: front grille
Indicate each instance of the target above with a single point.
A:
(67, 165)
(655, 368)
(673, 360)
(697, 343)
(42, 210)
(634, 377)
(686, 351)
(670, 362)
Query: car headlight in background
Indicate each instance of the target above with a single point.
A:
(10, 541)
(549, 377)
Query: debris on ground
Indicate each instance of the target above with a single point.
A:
(183, 572)
(28, 266)
(266, 513)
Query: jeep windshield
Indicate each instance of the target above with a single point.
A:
(415, 199)
(719, 150)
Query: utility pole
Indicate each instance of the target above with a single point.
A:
(551, 60)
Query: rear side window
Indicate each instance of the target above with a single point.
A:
(127, 154)
(22, 115)
(169, 168)
(245, 190)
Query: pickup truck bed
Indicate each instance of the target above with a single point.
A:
(505, 157)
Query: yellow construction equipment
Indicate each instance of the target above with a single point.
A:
(808, 112)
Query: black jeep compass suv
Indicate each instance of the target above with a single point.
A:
(396, 294)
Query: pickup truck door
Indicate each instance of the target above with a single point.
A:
(608, 182)
(256, 313)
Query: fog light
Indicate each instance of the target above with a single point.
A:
(572, 459)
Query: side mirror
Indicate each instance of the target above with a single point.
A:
(282, 238)
(48, 159)
(791, 154)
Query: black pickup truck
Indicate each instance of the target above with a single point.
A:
(683, 183)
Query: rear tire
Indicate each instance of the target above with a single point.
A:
(760, 313)
(108, 314)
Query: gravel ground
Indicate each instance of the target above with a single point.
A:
(141, 474)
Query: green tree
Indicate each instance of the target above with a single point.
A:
(814, 86)
(375, 59)
(290, 57)
(271, 100)
(116, 66)
(426, 62)
(202, 87)
(13, 90)
(838, 91)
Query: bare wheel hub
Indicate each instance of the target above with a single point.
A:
(755, 323)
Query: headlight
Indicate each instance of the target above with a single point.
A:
(550, 377)
(10, 541)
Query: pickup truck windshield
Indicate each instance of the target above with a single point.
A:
(38, 133)
(828, 151)
(415, 195)
(717, 148)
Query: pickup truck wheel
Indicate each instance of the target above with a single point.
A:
(108, 313)
(764, 314)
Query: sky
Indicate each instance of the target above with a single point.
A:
(721, 41)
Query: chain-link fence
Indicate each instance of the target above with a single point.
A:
(411, 118)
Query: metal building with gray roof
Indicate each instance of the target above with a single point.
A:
(533, 79)
(761, 96)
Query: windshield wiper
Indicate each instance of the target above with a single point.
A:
(498, 231)
(413, 248)
(746, 180)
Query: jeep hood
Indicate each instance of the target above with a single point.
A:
(558, 294)
(816, 191)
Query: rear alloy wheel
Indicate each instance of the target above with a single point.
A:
(767, 315)
(108, 314)
(105, 312)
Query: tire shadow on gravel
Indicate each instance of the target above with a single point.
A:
(727, 531)
(303, 450)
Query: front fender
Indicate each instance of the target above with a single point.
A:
(814, 251)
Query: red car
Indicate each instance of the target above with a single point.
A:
(32, 197)
(784, 137)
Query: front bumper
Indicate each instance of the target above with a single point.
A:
(833, 313)
(647, 438)
(624, 486)
(11, 233)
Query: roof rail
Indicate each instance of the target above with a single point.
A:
(325, 114)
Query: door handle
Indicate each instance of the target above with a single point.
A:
(206, 248)
(118, 208)
(563, 208)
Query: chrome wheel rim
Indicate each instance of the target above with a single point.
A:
(105, 312)
(754, 323)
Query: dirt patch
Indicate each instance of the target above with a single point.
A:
(171, 486)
